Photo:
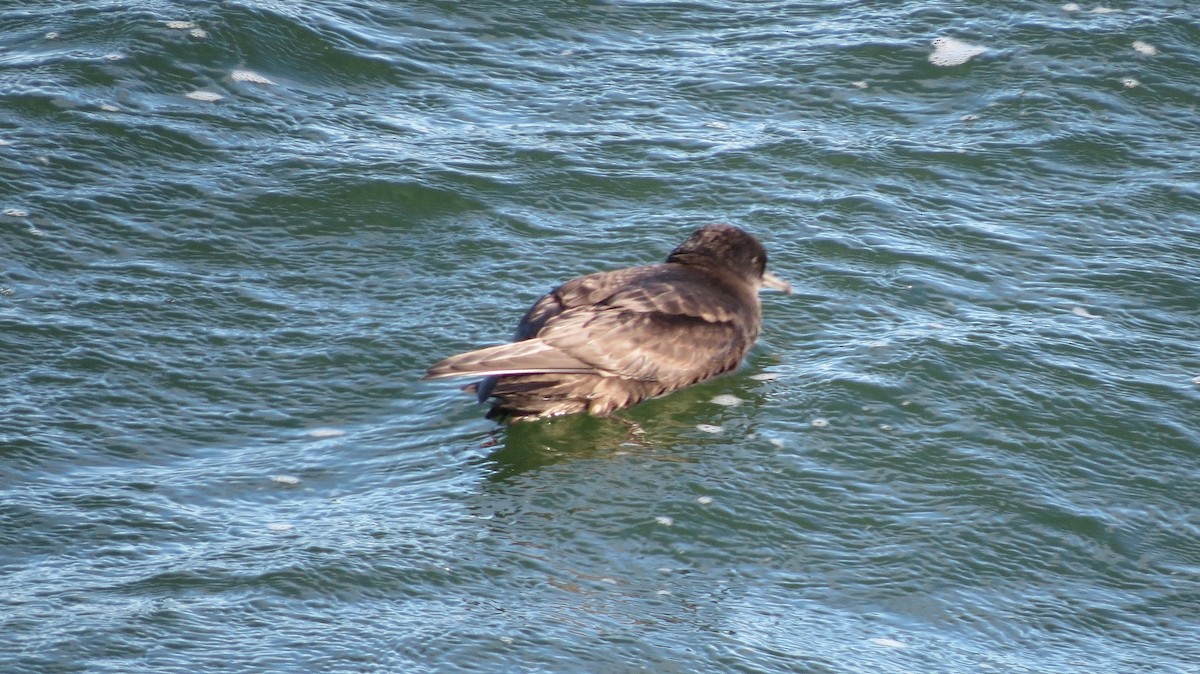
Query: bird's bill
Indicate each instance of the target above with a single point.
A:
(775, 283)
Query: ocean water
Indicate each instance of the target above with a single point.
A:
(233, 235)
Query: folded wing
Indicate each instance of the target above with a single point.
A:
(655, 329)
(527, 357)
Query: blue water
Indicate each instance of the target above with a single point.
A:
(233, 235)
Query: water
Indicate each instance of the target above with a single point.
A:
(234, 234)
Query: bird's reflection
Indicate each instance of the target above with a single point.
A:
(655, 425)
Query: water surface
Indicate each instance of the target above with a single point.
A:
(233, 235)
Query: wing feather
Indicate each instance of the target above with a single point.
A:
(660, 329)
(526, 357)
(646, 323)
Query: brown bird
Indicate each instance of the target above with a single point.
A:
(610, 340)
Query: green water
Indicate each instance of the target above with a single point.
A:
(230, 246)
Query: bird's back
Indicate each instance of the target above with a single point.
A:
(609, 340)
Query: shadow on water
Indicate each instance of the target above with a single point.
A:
(655, 424)
(530, 446)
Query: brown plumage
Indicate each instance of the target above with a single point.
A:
(606, 341)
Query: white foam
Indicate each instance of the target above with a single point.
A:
(180, 25)
(707, 500)
(241, 75)
(206, 96)
(285, 479)
(709, 428)
(279, 526)
(325, 433)
(1071, 7)
(1130, 83)
(1144, 48)
(727, 400)
(888, 643)
(16, 212)
(820, 422)
(664, 520)
(948, 51)
(765, 376)
(1082, 312)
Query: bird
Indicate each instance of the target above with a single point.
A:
(609, 340)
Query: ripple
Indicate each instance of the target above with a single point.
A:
(213, 318)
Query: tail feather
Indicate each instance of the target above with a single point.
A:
(530, 356)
